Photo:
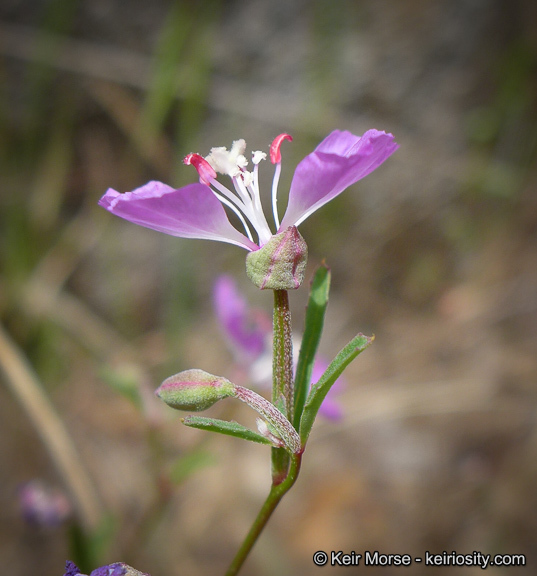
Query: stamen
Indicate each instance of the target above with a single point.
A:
(229, 162)
(276, 158)
(275, 180)
(236, 153)
(257, 156)
(275, 155)
(253, 188)
(205, 170)
(236, 199)
(245, 200)
(208, 177)
(234, 203)
(231, 206)
(255, 212)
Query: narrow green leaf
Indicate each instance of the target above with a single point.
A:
(319, 391)
(318, 300)
(224, 427)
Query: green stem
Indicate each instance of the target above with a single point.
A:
(285, 466)
(282, 360)
(277, 492)
(282, 375)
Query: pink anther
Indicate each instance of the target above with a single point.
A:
(275, 156)
(205, 170)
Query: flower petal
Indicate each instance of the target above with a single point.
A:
(340, 160)
(189, 212)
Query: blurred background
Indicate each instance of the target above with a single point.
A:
(435, 253)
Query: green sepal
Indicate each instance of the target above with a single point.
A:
(315, 311)
(280, 264)
(319, 390)
(225, 427)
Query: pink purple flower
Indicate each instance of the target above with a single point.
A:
(197, 210)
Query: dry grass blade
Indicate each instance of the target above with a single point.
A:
(28, 390)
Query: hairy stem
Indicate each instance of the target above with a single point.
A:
(285, 466)
(276, 493)
(282, 361)
(282, 375)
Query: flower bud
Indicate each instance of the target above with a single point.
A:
(194, 390)
(281, 263)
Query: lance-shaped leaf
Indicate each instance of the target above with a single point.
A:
(319, 391)
(317, 303)
(224, 427)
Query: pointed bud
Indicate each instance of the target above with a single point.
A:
(194, 390)
(281, 263)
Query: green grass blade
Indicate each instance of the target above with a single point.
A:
(319, 391)
(224, 427)
(318, 301)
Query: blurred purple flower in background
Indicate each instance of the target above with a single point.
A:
(115, 569)
(248, 332)
(197, 210)
(246, 328)
(42, 505)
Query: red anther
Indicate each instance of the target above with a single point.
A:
(275, 156)
(205, 170)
